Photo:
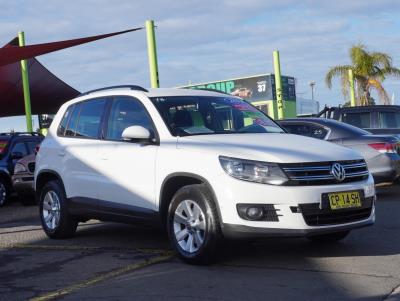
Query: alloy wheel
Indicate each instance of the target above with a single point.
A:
(51, 210)
(189, 226)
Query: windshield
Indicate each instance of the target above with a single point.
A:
(204, 115)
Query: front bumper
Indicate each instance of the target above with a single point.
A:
(240, 231)
(231, 192)
(23, 183)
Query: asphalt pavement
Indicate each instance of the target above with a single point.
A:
(109, 261)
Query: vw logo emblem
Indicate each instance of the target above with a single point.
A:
(338, 172)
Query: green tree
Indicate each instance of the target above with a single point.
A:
(370, 70)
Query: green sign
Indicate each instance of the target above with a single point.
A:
(254, 88)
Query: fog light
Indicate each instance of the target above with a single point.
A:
(254, 213)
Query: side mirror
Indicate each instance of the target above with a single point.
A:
(136, 132)
(16, 155)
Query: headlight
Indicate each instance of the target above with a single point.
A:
(253, 171)
(19, 168)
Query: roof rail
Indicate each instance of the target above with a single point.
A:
(208, 89)
(20, 134)
(132, 87)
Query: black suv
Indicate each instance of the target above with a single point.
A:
(379, 119)
(14, 146)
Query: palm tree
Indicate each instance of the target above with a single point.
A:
(370, 70)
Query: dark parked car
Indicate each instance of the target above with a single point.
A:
(381, 152)
(22, 179)
(14, 146)
(380, 119)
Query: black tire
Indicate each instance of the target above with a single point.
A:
(67, 224)
(329, 238)
(200, 195)
(4, 191)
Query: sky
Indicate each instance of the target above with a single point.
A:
(200, 41)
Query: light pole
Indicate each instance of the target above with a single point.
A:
(312, 85)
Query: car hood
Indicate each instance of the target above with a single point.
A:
(271, 147)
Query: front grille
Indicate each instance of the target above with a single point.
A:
(31, 167)
(315, 216)
(319, 173)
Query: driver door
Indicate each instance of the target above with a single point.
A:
(127, 168)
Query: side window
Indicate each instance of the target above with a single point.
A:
(73, 120)
(298, 129)
(389, 120)
(318, 132)
(89, 118)
(20, 147)
(31, 146)
(64, 121)
(126, 112)
(361, 120)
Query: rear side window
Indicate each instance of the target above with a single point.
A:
(73, 120)
(389, 120)
(361, 120)
(89, 118)
(63, 124)
(308, 130)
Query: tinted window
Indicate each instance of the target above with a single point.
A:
(318, 132)
(389, 120)
(126, 112)
(361, 120)
(202, 115)
(73, 120)
(308, 130)
(20, 148)
(64, 121)
(89, 118)
(32, 145)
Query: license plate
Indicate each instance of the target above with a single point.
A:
(343, 200)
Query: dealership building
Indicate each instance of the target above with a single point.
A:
(260, 91)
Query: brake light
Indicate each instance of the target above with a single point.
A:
(384, 147)
(3, 145)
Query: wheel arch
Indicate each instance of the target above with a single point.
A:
(175, 181)
(45, 176)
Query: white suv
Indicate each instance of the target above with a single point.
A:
(205, 165)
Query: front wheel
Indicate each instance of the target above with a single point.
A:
(56, 220)
(330, 237)
(193, 225)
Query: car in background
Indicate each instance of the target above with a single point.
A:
(381, 152)
(379, 119)
(13, 147)
(23, 179)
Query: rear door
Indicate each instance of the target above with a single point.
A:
(78, 151)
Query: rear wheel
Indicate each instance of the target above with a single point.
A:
(330, 237)
(193, 225)
(56, 220)
(4, 192)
